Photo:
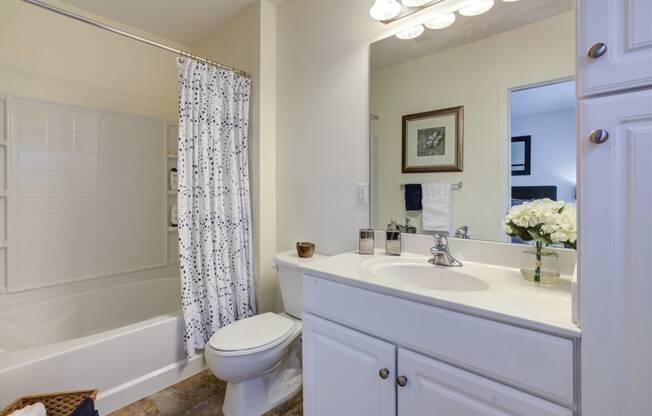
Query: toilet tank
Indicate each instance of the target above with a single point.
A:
(290, 279)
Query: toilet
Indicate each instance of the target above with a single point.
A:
(260, 357)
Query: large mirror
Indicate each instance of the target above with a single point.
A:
(474, 118)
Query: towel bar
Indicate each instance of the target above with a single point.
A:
(455, 186)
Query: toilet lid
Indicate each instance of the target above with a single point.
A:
(251, 333)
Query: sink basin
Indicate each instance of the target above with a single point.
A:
(418, 272)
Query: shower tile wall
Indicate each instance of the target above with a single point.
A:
(56, 183)
(88, 189)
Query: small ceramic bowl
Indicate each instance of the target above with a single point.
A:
(305, 249)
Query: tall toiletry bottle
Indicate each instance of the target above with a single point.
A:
(393, 239)
(367, 243)
(174, 179)
(174, 216)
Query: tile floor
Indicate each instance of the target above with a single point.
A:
(200, 395)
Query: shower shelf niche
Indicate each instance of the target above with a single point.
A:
(171, 195)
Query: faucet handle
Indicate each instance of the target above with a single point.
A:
(441, 241)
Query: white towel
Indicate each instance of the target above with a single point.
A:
(37, 409)
(437, 214)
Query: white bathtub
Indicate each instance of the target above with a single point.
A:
(124, 339)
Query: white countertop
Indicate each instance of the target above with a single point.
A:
(509, 299)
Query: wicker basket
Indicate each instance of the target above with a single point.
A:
(56, 404)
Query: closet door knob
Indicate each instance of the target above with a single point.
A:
(401, 381)
(383, 373)
(599, 136)
(597, 50)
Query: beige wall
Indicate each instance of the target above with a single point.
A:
(235, 43)
(478, 76)
(53, 58)
(322, 120)
(265, 164)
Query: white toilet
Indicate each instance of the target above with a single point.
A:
(259, 357)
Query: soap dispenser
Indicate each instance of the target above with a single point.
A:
(393, 239)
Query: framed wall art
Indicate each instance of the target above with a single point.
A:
(433, 141)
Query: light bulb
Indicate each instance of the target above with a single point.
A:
(385, 9)
(441, 21)
(477, 7)
(415, 3)
(411, 32)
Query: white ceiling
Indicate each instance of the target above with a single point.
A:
(501, 18)
(183, 21)
(543, 99)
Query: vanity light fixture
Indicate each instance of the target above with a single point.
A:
(411, 32)
(385, 9)
(441, 21)
(382, 9)
(477, 7)
(415, 3)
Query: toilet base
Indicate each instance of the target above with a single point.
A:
(263, 393)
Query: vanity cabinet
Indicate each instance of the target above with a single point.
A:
(367, 353)
(437, 389)
(615, 176)
(349, 373)
(614, 206)
(614, 45)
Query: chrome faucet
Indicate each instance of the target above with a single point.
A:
(441, 255)
(462, 232)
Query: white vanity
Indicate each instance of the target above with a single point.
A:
(398, 336)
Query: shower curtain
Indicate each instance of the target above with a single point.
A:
(215, 246)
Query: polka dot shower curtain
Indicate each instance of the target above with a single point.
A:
(215, 246)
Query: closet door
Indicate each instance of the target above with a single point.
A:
(346, 372)
(615, 254)
(429, 387)
(614, 45)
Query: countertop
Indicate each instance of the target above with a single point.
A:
(510, 299)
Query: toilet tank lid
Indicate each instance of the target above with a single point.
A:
(291, 259)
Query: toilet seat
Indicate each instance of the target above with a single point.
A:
(252, 335)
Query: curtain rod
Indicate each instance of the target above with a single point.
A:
(100, 25)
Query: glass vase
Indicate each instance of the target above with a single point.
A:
(540, 265)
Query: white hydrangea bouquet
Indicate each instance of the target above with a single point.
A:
(544, 222)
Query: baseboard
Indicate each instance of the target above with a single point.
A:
(134, 390)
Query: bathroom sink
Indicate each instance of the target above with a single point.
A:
(418, 272)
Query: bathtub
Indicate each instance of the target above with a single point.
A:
(123, 339)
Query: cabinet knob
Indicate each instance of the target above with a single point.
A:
(401, 381)
(383, 373)
(599, 136)
(597, 50)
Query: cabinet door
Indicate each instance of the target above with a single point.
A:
(342, 371)
(615, 255)
(625, 27)
(436, 389)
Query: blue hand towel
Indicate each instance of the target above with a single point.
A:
(85, 408)
(413, 197)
